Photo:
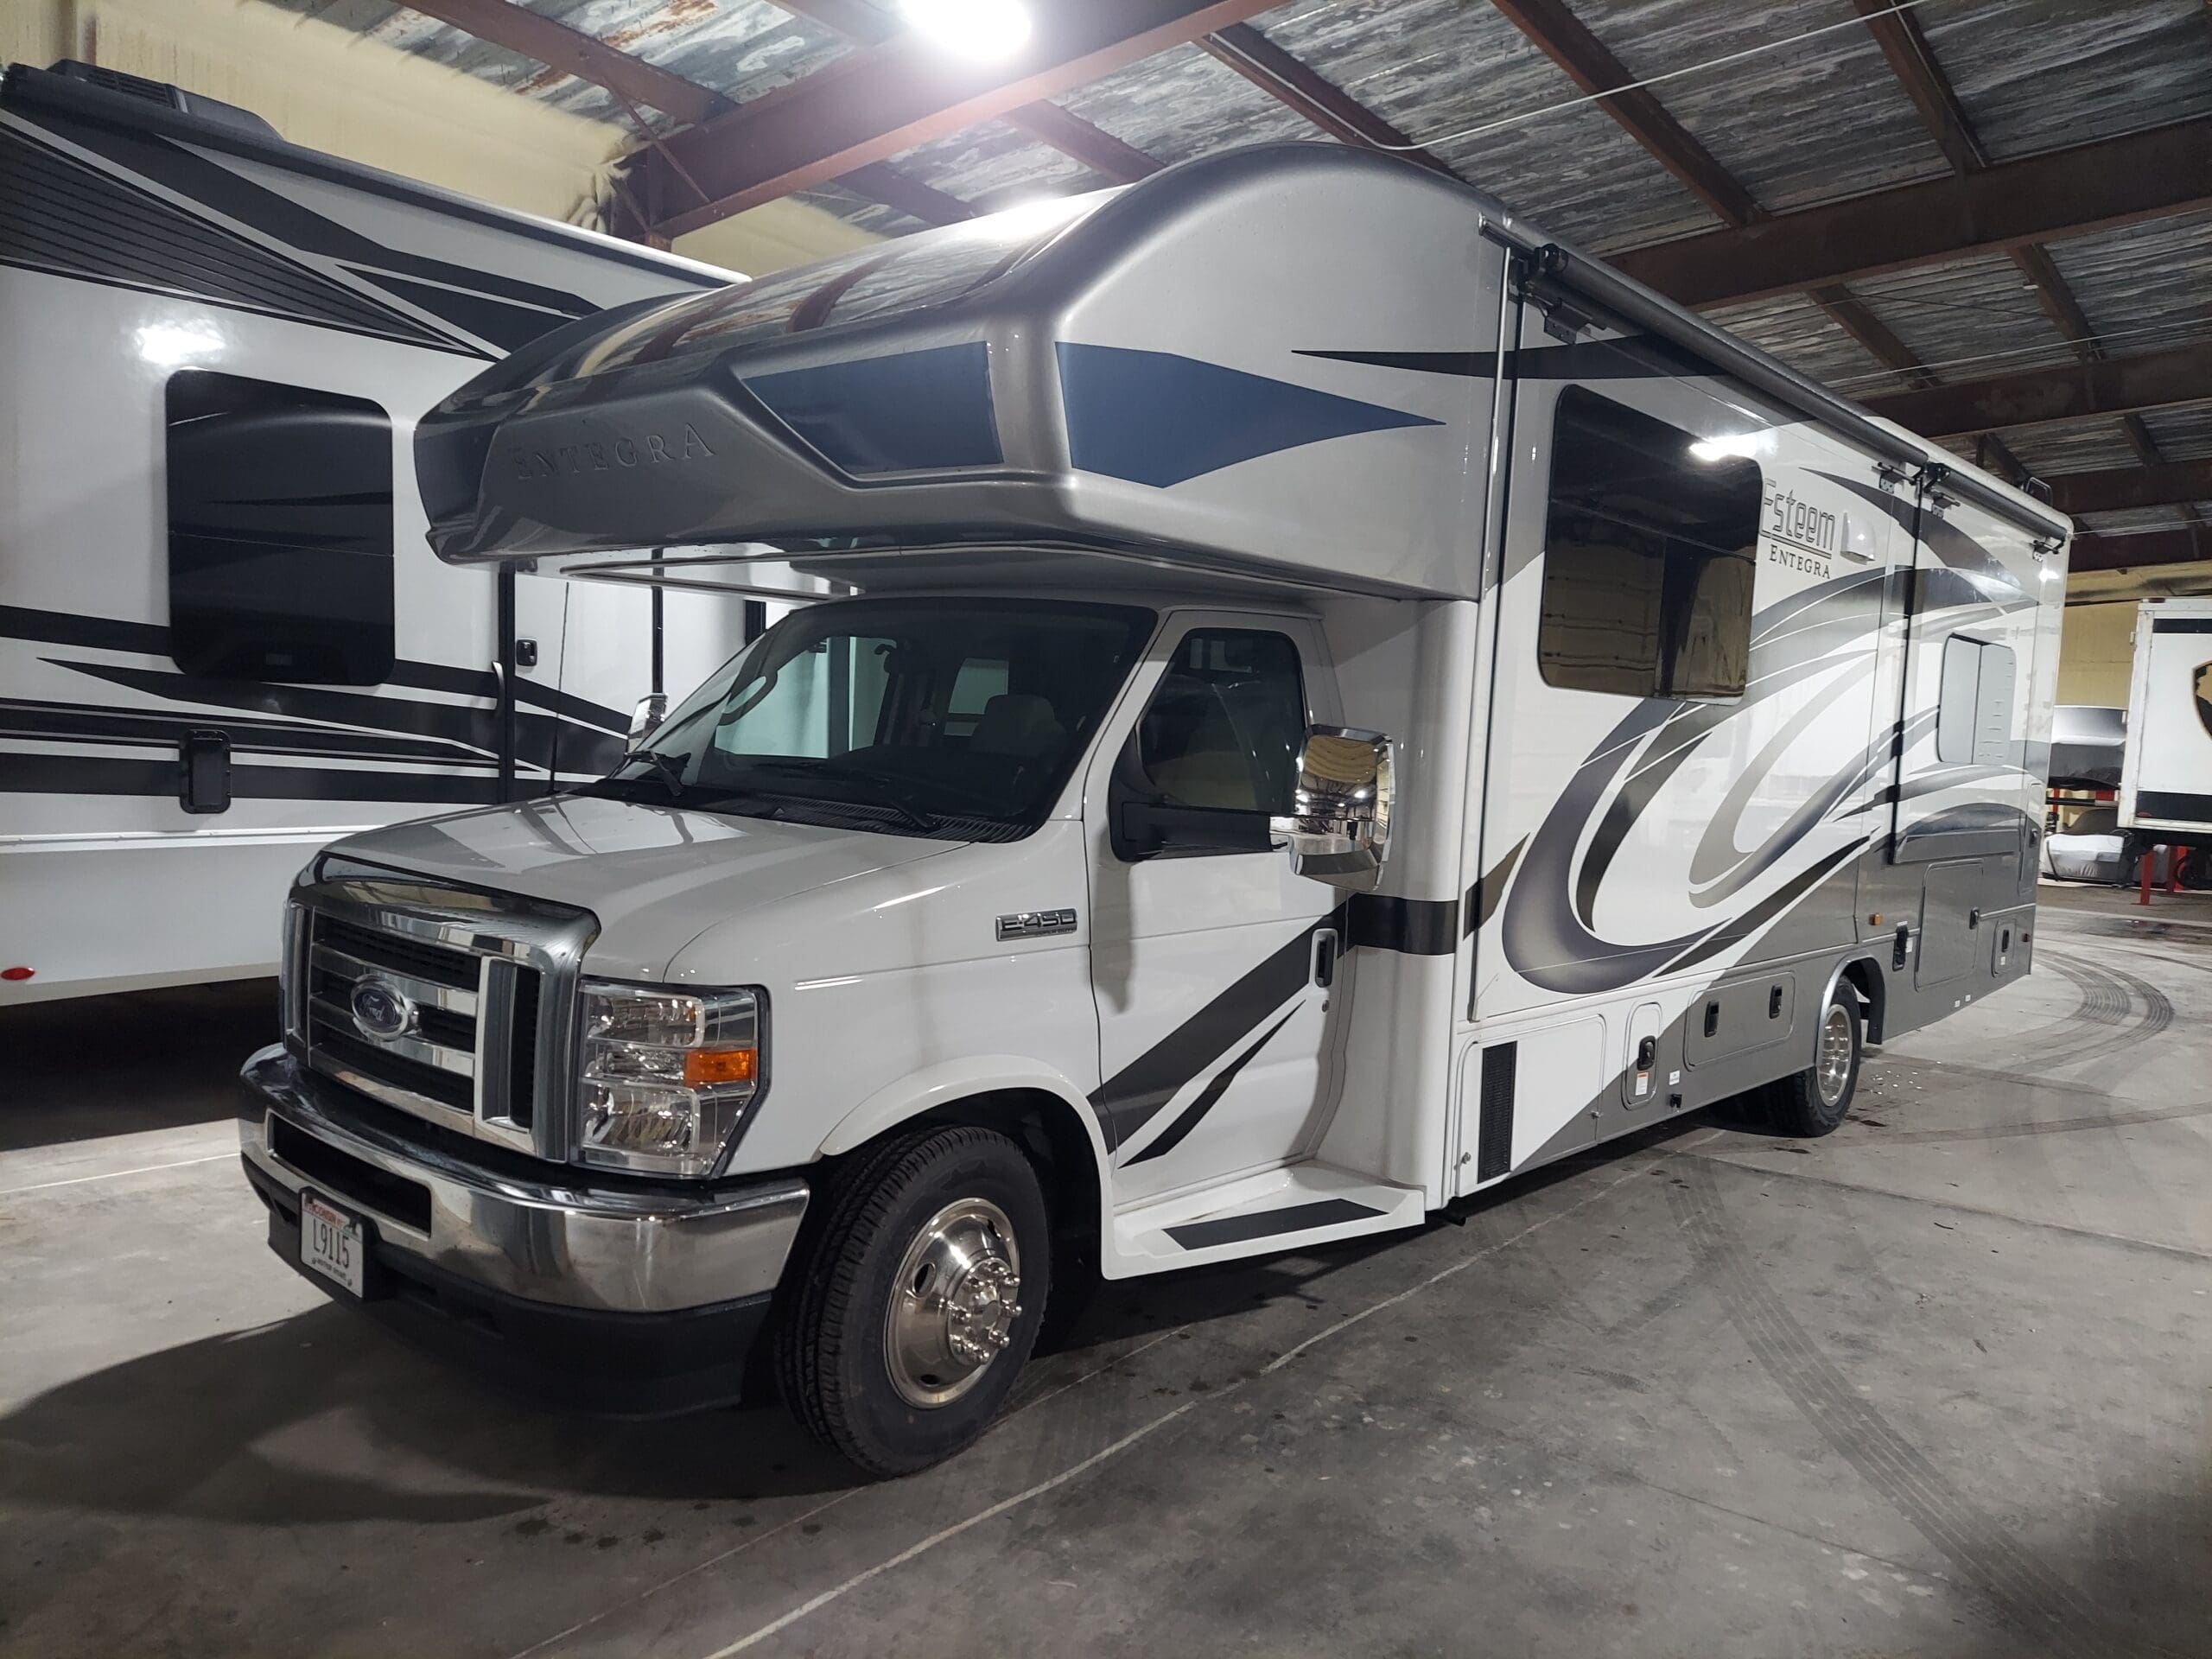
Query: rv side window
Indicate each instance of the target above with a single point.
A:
(1973, 709)
(280, 531)
(1649, 550)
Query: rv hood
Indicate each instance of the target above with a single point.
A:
(655, 877)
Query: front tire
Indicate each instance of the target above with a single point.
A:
(1816, 1100)
(923, 1291)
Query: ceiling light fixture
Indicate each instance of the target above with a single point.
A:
(975, 28)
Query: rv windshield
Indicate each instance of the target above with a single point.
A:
(954, 718)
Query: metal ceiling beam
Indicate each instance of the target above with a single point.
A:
(880, 100)
(1066, 131)
(908, 194)
(2114, 386)
(2186, 545)
(1096, 148)
(2148, 174)
(2124, 489)
(1291, 82)
(502, 22)
(555, 45)
(1562, 37)
(1913, 61)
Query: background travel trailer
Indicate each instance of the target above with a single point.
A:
(2166, 787)
(223, 638)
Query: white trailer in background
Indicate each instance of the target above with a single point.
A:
(1347, 700)
(2166, 779)
(223, 640)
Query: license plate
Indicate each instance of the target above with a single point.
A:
(332, 1244)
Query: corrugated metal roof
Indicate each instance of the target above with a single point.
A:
(2037, 74)
(1791, 124)
(1809, 121)
(1183, 103)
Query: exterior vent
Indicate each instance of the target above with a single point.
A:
(114, 80)
(212, 111)
(1494, 1141)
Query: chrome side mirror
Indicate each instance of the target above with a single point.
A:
(652, 709)
(1338, 827)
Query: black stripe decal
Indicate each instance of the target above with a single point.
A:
(2169, 803)
(1231, 1229)
(1414, 927)
(478, 728)
(74, 774)
(23, 718)
(1482, 899)
(1173, 1135)
(1637, 357)
(1130, 1098)
(111, 633)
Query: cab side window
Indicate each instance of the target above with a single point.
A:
(1220, 735)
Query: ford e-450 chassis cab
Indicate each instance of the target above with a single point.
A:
(1329, 699)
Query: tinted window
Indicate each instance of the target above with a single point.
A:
(280, 532)
(926, 716)
(1973, 710)
(1649, 550)
(1225, 725)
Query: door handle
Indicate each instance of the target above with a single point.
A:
(1324, 958)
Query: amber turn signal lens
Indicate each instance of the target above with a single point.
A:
(705, 1066)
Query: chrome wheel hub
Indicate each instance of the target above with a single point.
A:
(1834, 1071)
(953, 1303)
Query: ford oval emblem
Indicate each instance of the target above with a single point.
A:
(381, 1009)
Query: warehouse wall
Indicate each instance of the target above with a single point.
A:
(2095, 653)
(332, 90)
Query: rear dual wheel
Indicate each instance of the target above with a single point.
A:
(924, 1287)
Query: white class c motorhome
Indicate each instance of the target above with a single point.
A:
(223, 640)
(1344, 699)
(2165, 778)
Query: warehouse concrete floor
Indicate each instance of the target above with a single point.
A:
(1935, 1385)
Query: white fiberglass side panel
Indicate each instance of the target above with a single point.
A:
(1636, 832)
(1975, 717)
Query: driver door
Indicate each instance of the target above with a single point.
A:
(1221, 986)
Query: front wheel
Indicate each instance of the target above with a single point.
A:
(923, 1291)
(1815, 1101)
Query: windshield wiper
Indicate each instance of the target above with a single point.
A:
(912, 817)
(669, 767)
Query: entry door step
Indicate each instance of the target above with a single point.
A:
(1277, 1208)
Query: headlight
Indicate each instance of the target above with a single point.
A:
(667, 1076)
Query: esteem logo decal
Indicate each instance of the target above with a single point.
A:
(573, 460)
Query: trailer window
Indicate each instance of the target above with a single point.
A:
(280, 531)
(1650, 550)
(1973, 709)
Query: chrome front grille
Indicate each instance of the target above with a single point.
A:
(484, 987)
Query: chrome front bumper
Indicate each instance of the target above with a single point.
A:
(631, 1249)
